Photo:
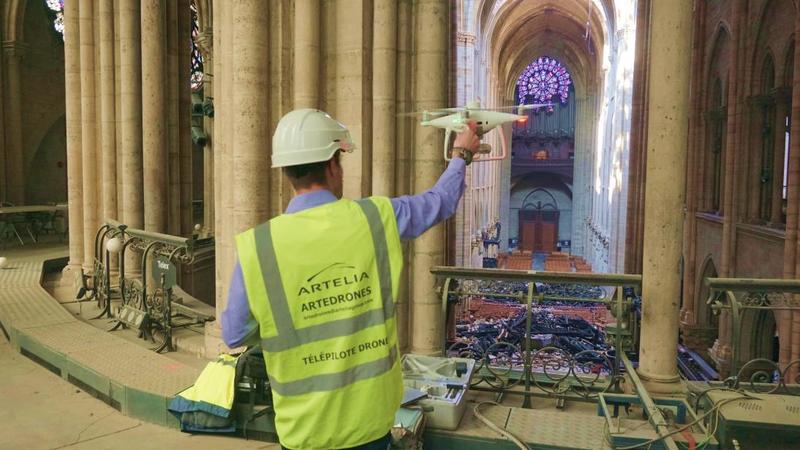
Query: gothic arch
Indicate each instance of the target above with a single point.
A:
(717, 84)
(767, 73)
(788, 71)
(721, 45)
(757, 335)
(772, 11)
(704, 315)
(204, 14)
(553, 205)
(13, 18)
(500, 24)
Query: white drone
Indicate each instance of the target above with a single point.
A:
(486, 119)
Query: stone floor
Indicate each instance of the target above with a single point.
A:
(42, 411)
(49, 413)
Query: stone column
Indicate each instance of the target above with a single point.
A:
(384, 76)
(249, 113)
(98, 129)
(72, 78)
(204, 42)
(432, 19)
(637, 152)
(753, 205)
(185, 148)
(130, 120)
(154, 114)
(174, 130)
(108, 115)
(223, 166)
(13, 52)
(88, 132)
(722, 348)
(3, 177)
(118, 106)
(306, 54)
(669, 60)
(696, 149)
(791, 326)
(402, 155)
(281, 97)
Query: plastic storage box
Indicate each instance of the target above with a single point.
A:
(445, 380)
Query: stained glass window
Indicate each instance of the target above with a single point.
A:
(544, 80)
(197, 58)
(57, 9)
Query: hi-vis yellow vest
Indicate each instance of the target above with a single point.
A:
(322, 284)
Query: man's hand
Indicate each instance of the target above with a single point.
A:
(466, 143)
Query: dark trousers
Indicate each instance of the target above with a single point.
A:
(379, 444)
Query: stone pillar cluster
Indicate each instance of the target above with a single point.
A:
(373, 62)
(119, 109)
(789, 327)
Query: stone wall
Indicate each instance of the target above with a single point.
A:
(733, 42)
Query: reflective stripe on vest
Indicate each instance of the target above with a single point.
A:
(330, 343)
(289, 337)
(332, 381)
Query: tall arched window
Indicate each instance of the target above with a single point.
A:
(788, 81)
(766, 106)
(197, 57)
(717, 117)
(56, 8)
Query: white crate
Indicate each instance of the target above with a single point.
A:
(445, 388)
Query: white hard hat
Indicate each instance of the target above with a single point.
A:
(306, 136)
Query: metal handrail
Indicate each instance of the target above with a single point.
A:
(622, 335)
(595, 279)
(176, 249)
(738, 295)
(754, 285)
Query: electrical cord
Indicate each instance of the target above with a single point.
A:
(706, 391)
(496, 428)
(714, 410)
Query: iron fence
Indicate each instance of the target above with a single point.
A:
(145, 304)
(740, 297)
(511, 362)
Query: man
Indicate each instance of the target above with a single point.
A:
(317, 287)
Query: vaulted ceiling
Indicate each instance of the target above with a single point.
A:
(575, 32)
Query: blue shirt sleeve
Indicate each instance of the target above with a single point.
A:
(239, 327)
(417, 213)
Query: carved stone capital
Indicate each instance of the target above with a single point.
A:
(15, 49)
(205, 43)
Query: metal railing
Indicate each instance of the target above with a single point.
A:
(147, 305)
(505, 365)
(743, 296)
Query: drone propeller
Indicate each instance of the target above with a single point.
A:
(436, 112)
(459, 109)
(523, 107)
